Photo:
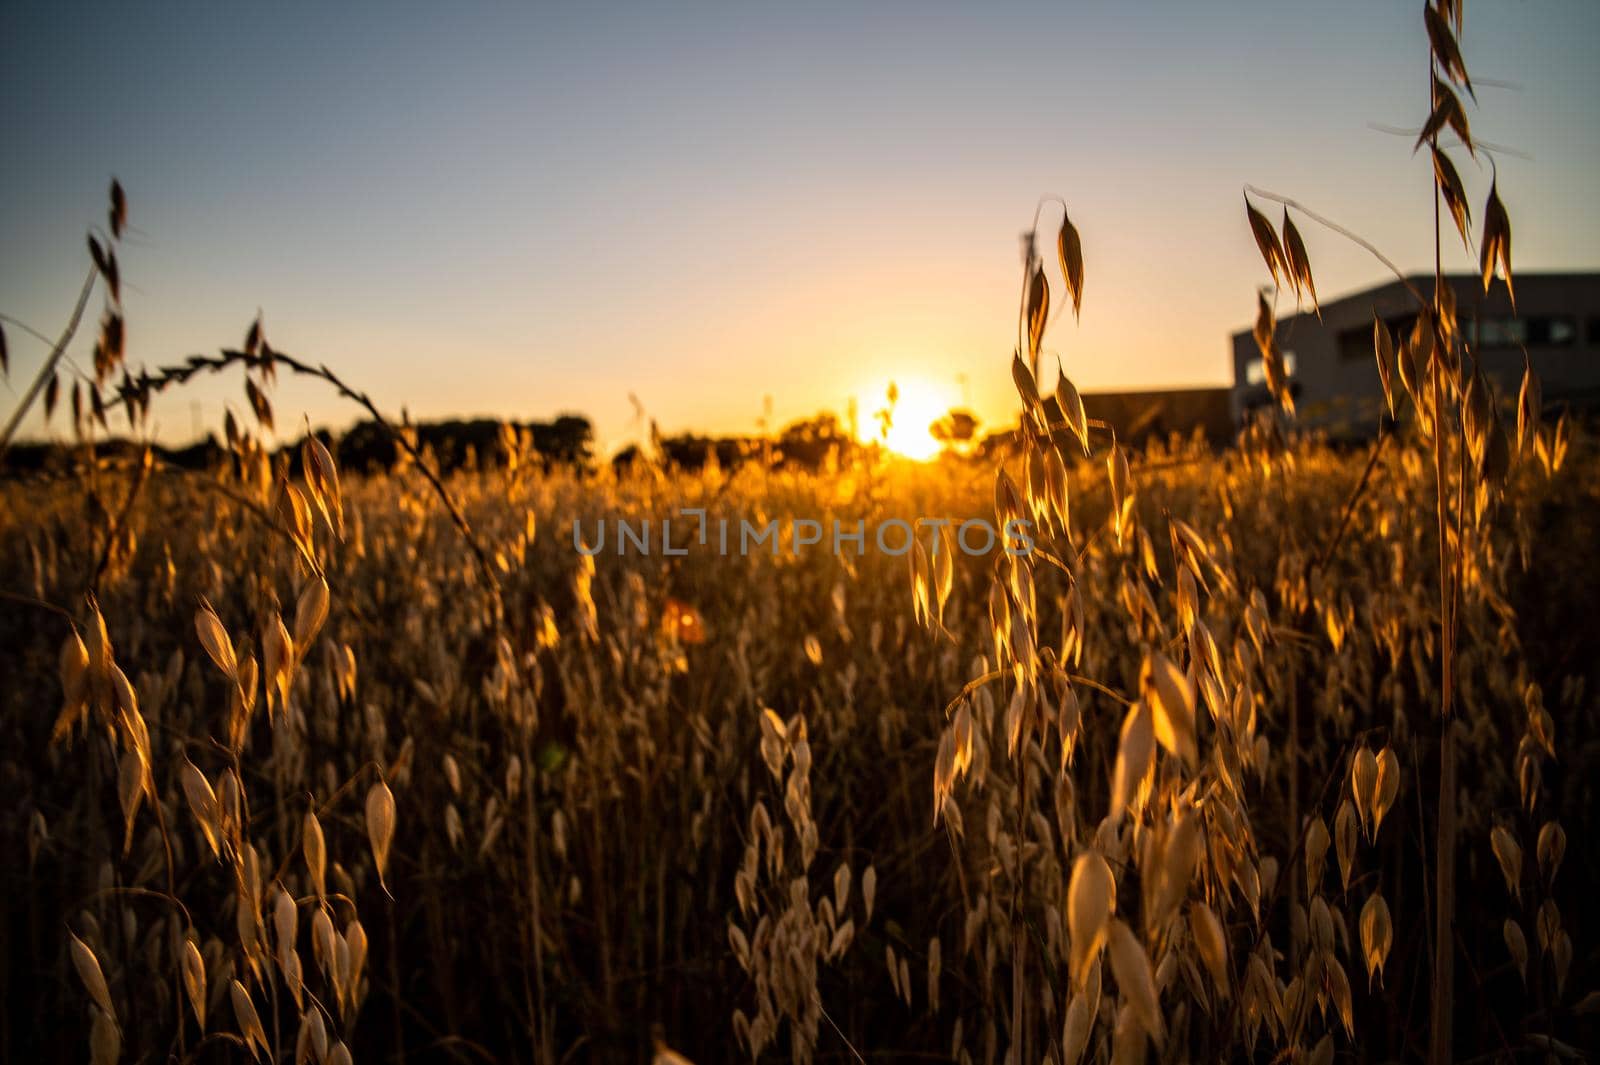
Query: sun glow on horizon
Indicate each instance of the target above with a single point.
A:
(918, 404)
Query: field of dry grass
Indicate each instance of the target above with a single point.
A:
(1279, 754)
(605, 818)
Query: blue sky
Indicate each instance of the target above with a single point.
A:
(518, 211)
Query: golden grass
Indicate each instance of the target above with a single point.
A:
(739, 828)
(308, 768)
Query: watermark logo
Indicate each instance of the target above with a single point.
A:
(692, 528)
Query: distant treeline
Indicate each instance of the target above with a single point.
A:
(568, 439)
(366, 447)
(810, 443)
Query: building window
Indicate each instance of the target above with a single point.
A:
(1255, 371)
(1534, 331)
(1557, 331)
(1355, 345)
(1497, 332)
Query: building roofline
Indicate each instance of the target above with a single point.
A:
(1421, 279)
(1164, 391)
(1425, 276)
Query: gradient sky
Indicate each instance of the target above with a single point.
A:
(519, 212)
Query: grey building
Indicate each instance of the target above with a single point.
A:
(1334, 377)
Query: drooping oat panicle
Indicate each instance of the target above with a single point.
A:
(1091, 901)
(380, 824)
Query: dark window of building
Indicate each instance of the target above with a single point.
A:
(1497, 332)
(1534, 331)
(1556, 331)
(1594, 332)
(1355, 345)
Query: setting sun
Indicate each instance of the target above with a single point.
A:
(916, 407)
